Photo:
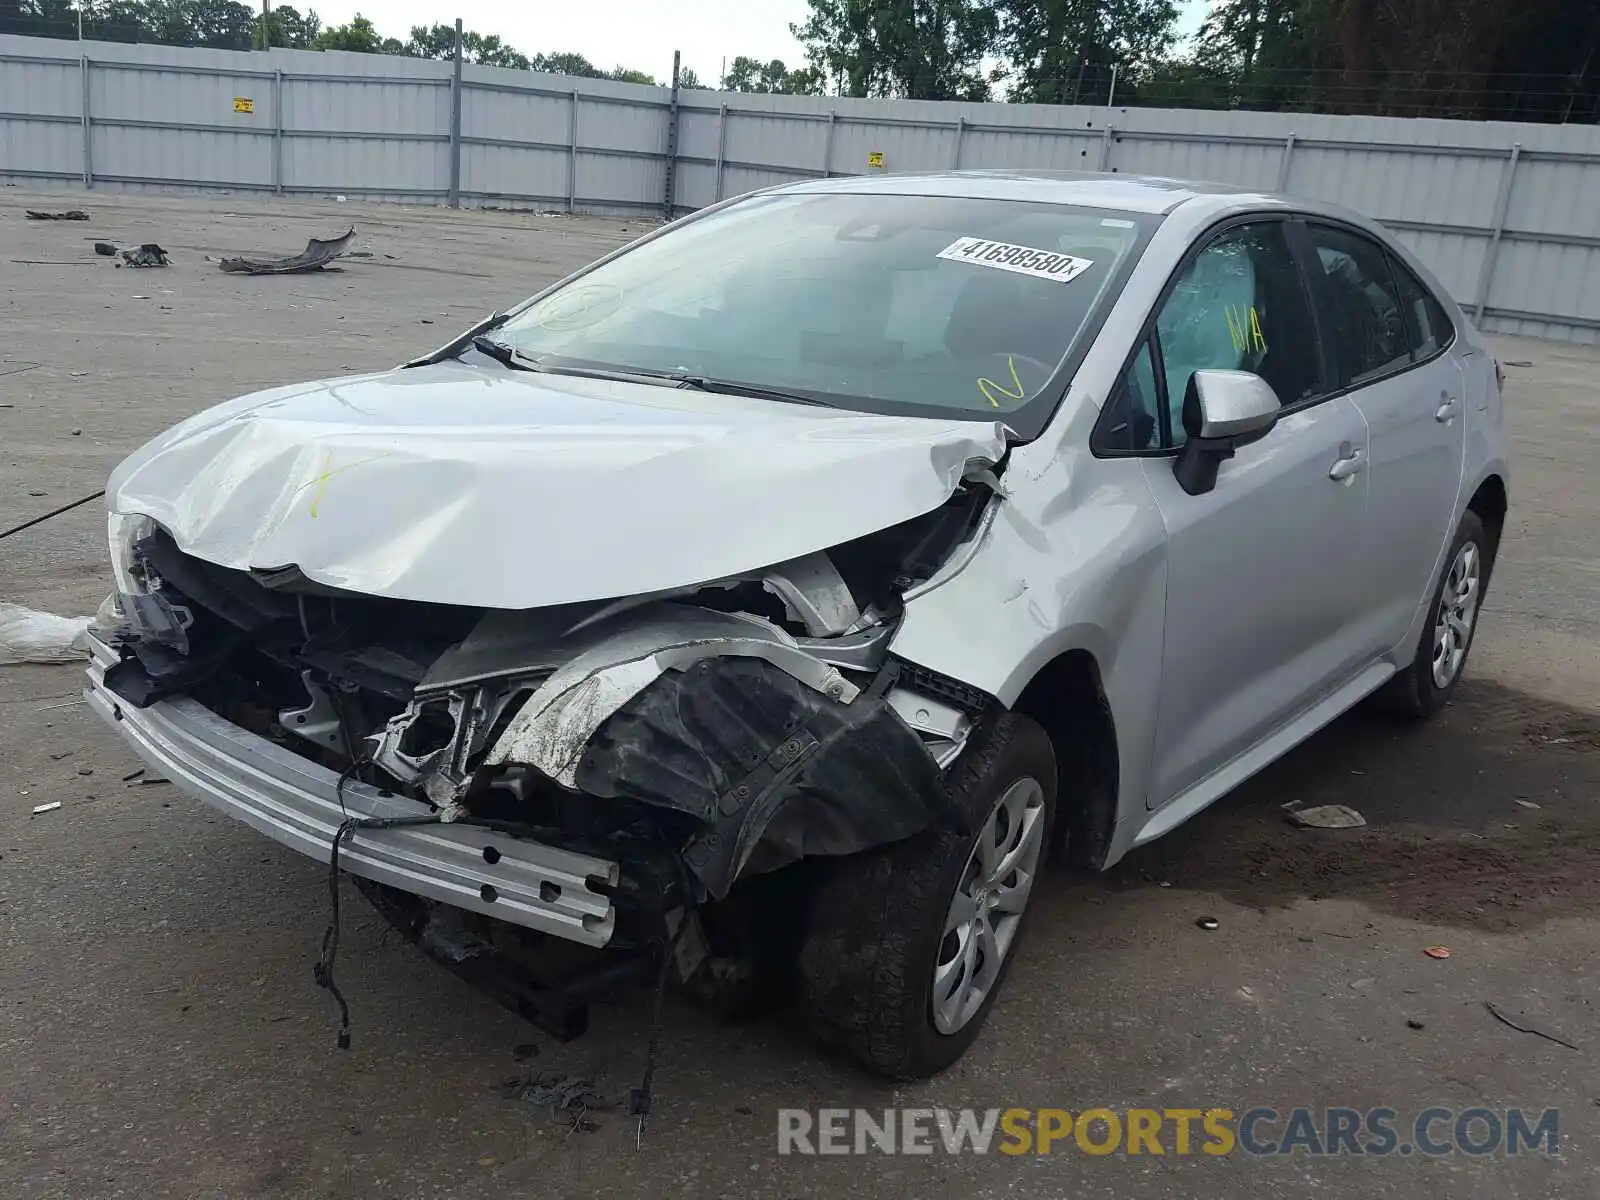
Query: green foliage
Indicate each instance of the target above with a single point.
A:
(1055, 47)
(287, 28)
(566, 64)
(750, 75)
(1487, 59)
(919, 49)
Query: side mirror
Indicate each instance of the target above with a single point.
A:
(1222, 410)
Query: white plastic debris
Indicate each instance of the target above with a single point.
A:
(27, 636)
(41, 809)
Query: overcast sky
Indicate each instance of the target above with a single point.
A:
(633, 33)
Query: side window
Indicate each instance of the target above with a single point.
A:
(1427, 327)
(1366, 316)
(1129, 421)
(1240, 305)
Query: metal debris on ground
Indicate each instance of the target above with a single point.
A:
(1505, 1020)
(1208, 923)
(70, 214)
(1437, 951)
(567, 1097)
(132, 775)
(40, 809)
(319, 252)
(147, 255)
(1327, 816)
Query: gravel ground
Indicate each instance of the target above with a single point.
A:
(161, 1036)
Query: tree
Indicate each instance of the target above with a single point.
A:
(920, 49)
(287, 28)
(39, 18)
(629, 75)
(566, 64)
(687, 78)
(359, 35)
(488, 50)
(117, 21)
(1055, 46)
(749, 75)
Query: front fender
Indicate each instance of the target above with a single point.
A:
(1073, 559)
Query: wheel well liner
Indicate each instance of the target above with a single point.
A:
(1489, 502)
(1067, 699)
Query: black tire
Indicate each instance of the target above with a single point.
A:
(877, 919)
(1414, 693)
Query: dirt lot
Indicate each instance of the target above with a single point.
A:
(160, 1034)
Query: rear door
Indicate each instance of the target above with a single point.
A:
(1390, 340)
(1262, 570)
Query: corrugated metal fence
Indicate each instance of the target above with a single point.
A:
(1507, 215)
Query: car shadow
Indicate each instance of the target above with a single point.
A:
(1485, 816)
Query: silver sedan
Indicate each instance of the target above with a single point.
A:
(774, 597)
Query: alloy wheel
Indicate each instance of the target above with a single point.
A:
(986, 910)
(1458, 610)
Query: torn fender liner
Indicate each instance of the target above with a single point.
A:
(776, 770)
(319, 252)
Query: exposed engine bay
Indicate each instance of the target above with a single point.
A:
(700, 738)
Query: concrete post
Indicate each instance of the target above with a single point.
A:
(572, 155)
(88, 135)
(1283, 163)
(669, 191)
(455, 123)
(1491, 253)
(277, 132)
(722, 148)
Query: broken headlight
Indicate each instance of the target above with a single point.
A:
(124, 531)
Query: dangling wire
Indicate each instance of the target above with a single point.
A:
(322, 971)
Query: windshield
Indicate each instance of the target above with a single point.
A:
(928, 305)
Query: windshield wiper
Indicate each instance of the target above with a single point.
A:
(501, 353)
(518, 361)
(728, 387)
(454, 349)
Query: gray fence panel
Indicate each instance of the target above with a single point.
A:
(181, 156)
(352, 106)
(40, 125)
(1520, 239)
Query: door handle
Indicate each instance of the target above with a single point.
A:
(1350, 463)
(1449, 406)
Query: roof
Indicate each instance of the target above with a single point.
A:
(1127, 193)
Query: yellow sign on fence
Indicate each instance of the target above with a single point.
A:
(243, 104)
(875, 158)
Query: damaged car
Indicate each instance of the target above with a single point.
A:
(768, 603)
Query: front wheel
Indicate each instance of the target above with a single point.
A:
(908, 945)
(1426, 686)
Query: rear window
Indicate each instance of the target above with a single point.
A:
(929, 305)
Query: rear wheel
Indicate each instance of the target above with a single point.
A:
(1426, 686)
(908, 946)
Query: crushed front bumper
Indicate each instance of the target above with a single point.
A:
(294, 801)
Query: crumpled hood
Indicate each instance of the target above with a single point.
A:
(468, 485)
